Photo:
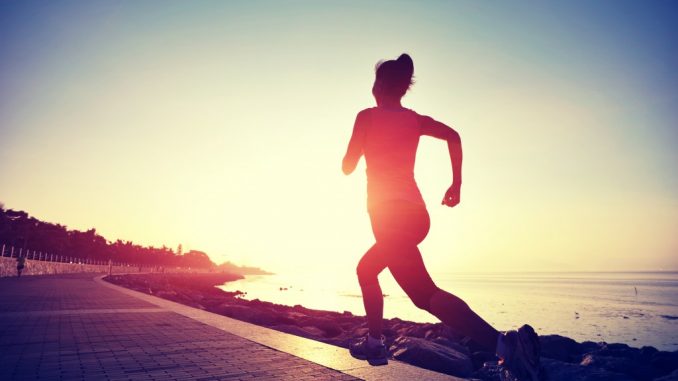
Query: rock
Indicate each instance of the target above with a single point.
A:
(560, 348)
(429, 355)
(309, 333)
(481, 358)
(554, 370)
(590, 346)
(669, 377)
(617, 350)
(664, 362)
(637, 367)
(166, 294)
(328, 326)
(253, 315)
(488, 372)
(451, 344)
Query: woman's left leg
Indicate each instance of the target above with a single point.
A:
(409, 271)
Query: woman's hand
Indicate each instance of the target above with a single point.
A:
(452, 196)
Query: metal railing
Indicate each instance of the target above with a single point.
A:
(13, 252)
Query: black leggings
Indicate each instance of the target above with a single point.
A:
(398, 227)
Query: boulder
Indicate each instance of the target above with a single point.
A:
(673, 376)
(554, 370)
(560, 348)
(307, 332)
(253, 315)
(429, 355)
(451, 344)
(328, 326)
(481, 358)
(637, 367)
(490, 371)
(664, 362)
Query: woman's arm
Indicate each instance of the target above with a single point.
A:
(431, 127)
(355, 145)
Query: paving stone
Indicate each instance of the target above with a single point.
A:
(67, 327)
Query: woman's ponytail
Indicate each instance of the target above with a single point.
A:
(406, 63)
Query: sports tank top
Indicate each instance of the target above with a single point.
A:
(390, 148)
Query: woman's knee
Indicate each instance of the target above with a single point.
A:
(365, 274)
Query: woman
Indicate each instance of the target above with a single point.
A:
(388, 135)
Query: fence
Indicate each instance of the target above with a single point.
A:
(12, 252)
(41, 263)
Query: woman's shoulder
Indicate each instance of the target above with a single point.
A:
(366, 111)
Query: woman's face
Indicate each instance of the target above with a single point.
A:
(376, 91)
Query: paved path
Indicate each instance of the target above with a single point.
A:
(74, 327)
(68, 327)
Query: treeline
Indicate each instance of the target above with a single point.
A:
(20, 230)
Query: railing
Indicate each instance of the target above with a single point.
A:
(12, 252)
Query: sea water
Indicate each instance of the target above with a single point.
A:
(636, 308)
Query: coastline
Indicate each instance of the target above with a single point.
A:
(428, 345)
(634, 308)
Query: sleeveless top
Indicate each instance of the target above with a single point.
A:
(390, 149)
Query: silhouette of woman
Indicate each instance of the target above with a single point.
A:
(388, 136)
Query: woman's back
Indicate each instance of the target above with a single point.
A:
(390, 148)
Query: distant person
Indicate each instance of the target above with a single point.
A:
(20, 264)
(388, 135)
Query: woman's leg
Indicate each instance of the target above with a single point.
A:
(456, 314)
(398, 228)
(369, 267)
(408, 269)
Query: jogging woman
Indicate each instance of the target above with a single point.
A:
(388, 136)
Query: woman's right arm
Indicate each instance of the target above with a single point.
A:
(432, 127)
(355, 145)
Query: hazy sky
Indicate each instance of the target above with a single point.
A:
(221, 126)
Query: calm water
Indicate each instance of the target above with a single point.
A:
(637, 308)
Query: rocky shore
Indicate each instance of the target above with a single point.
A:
(431, 346)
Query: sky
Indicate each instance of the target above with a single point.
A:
(221, 126)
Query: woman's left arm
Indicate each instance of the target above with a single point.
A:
(355, 145)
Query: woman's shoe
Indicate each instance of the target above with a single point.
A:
(519, 352)
(364, 349)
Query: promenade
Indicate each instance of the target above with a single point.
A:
(76, 327)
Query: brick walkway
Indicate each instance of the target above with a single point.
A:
(68, 327)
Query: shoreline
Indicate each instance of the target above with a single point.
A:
(428, 345)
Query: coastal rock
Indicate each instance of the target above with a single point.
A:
(451, 344)
(253, 315)
(328, 326)
(490, 371)
(554, 370)
(307, 332)
(563, 348)
(664, 362)
(432, 346)
(481, 359)
(617, 350)
(669, 377)
(637, 367)
(429, 355)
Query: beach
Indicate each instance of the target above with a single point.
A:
(428, 345)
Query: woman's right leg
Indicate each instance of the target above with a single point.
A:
(369, 267)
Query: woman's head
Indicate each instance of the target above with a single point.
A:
(393, 77)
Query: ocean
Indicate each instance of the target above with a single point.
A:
(636, 308)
